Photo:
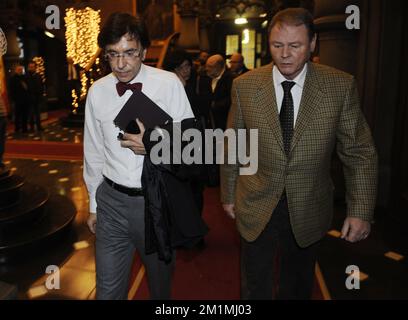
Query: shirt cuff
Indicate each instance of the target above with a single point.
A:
(92, 204)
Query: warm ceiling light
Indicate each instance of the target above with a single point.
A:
(49, 34)
(241, 21)
(262, 15)
(245, 36)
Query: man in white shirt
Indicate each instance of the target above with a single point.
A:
(113, 168)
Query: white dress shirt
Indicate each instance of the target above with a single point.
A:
(103, 154)
(215, 80)
(296, 91)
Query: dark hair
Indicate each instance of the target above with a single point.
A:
(294, 17)
(119, 24)
(175, 58)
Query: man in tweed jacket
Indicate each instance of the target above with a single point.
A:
(286, 207)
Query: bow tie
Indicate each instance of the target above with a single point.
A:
(121, 87)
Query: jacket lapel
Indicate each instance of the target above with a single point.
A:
(267, 102)
(311, 97)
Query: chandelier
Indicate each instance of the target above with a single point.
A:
(244, 9)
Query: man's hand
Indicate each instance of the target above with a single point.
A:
(135, 141)
(229, 210)
(91, 222)
(355, 229)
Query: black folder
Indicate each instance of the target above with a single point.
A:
(142, 107)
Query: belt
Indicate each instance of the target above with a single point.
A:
(133, 192)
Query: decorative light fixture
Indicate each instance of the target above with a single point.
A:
(74, 101)
(249, 9)
(39, 67)
(82, 29)
(241, 20)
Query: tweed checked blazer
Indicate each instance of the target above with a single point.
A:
(329, 119)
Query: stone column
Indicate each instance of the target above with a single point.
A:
(188, 24)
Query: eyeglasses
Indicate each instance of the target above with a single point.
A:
(127, 55)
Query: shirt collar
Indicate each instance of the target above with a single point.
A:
(219, 77)
(278, 78)
(140, 77)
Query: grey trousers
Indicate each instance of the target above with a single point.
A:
(119, 232)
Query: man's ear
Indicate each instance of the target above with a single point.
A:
(144, 54)
(313, 43)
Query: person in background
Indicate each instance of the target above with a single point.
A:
(179, 62)
(199, 63)
(214, 91)
(237, 65)
(35, 89)
(316, 59)
(19, 94)
(218, 88)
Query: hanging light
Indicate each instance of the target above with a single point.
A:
(241, 20)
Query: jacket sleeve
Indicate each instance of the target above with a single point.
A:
(229, 172)
(356, 150)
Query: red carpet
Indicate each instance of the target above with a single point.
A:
(212, 273)
(43, 150)
(50, 150)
